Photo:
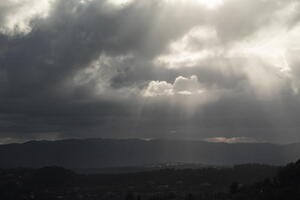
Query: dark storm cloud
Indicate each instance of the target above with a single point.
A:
(75, 34)
(80, 68)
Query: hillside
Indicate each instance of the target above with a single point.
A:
(103, 153)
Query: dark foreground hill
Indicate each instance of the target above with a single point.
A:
(285, 185)
(247, 182)
(103, 153)
(52, 183)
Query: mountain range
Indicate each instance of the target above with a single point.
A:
(105, 153)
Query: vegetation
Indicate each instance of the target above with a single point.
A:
(255, 182)
(286, 185)
(187, 184)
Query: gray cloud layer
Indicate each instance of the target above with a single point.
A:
(177, 69)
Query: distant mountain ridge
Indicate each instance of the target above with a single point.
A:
(103, 153)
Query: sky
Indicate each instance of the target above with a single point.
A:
(213, 70)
